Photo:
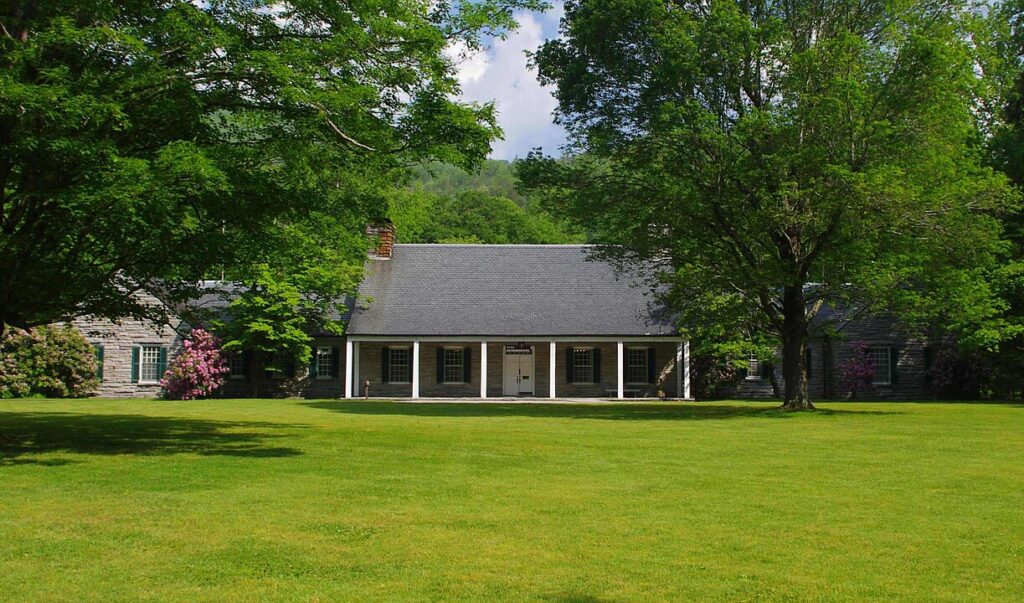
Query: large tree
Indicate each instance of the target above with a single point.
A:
(773, 157)
(147, 144)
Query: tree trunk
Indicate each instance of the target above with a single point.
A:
(794, 349)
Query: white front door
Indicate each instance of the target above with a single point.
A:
(517, 379)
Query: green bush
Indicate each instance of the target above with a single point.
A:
(54, 362)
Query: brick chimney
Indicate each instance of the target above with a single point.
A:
(384, 232)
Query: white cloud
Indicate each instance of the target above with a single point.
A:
(501, 74)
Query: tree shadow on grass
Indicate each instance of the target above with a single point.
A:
(616, 412)
(32, 433)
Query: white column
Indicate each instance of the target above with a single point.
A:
(551, 370)
(483, 369)
(416, 369)
(686, 369)
(357, 388)
(348, 368)
(619, 370)
(679, 371)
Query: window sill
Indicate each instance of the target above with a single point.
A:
(453, 383)
(398, 383)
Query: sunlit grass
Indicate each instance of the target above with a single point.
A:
(328, 501)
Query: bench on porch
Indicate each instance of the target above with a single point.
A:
(627, 393)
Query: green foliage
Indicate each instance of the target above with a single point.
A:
(495, 177)
(47, 361)
(273, 315)
(472, 217)
(764, 147)
(148, 145)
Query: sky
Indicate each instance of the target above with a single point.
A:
(500, 73)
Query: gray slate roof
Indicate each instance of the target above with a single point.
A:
(501, 290)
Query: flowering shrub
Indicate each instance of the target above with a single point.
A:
(53, 362)
(198, 371)
(857, 372)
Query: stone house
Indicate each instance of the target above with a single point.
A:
(490, 321)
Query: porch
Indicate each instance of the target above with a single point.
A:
(517, 368)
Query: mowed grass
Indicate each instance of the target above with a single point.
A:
(292, 500)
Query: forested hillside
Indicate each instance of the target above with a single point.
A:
(445, 204)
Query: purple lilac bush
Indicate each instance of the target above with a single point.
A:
(857, 372)
(198, 371)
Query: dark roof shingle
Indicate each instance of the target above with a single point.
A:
(501, 290)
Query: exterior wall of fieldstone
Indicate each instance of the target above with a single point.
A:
(301, 384)
(371, 369)
(909, 375)
(118, 339)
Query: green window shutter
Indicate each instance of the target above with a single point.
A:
(161, 363)
(596, 352)
(289, 367)
(408, 367)
(894, 364)
(385, 365)
(652, 367)
(929, 359)
(743, 370)
(312, 363)
(808, 362)
(568, 365)
(99, 360)
(439, 369)
(136, 350)
(467, 371)
(335, 361)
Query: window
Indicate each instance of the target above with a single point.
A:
(454, 369)
(281, 363)
(582, 365)
(236, 363)
(883, 369)
(324, 363)
(636, 365)
(97, 348)
(753, 367)
(150, 365)
(398, 365)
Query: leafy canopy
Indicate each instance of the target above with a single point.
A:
(752, 149)
(145, 145)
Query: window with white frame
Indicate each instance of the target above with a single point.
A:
(398, 365)
(454, 368)
(636, 365)
(236, 364)
(883, 369)
(582, 365)
(753, 367)
(280, 362)
(149, 364)
(324, 363)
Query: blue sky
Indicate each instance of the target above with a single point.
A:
(500, 73)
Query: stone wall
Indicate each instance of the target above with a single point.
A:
(118, 339)
(829, 353)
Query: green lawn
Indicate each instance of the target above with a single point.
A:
(297, 500)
